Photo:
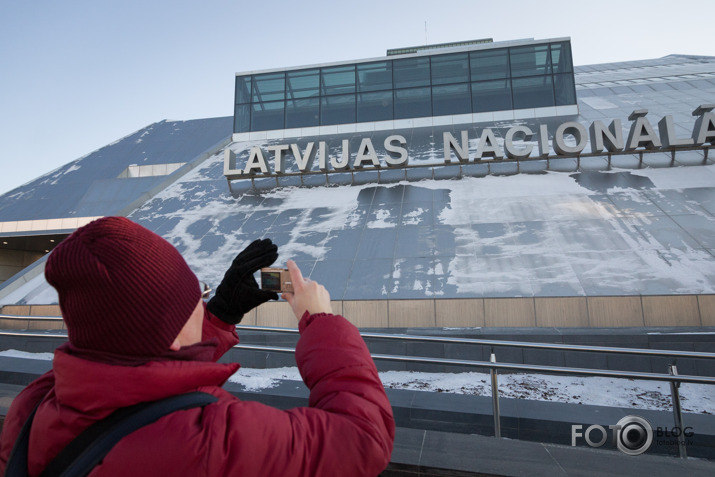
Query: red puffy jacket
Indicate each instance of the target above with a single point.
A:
(347, 430)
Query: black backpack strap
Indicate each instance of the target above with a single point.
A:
(90, 447)
(17, 463)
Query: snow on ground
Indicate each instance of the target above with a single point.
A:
(633, 394)
(13, 353)
(596, 391)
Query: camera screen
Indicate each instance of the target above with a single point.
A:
(271, 280)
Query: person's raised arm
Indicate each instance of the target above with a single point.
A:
(237, 294)
(308, 296)
(348, 428)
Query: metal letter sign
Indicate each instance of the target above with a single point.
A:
(394, 151)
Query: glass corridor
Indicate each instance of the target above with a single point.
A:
(482, 80)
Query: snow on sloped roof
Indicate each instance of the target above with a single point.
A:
(572, 232)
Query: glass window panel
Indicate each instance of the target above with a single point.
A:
(375, 76)
(413, 103)
(338, 80)
(492, 95)
(489, 64)
(534, 92)
(302, 112)
(303, 84)
(530, 60)
(266, 116)
(561, 57)
(268, 87)
(242, 118)
(564, 89)
(337, 109)
(374, 106)
(450, 69)
(451, 99)
(411, 72)
(243, 89)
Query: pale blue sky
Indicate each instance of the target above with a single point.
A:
(77, 75)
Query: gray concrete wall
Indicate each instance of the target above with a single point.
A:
(14, 261)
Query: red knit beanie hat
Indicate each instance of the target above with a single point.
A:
(123, 289)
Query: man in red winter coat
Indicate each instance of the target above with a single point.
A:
(139, 331)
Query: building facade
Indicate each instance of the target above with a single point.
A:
(476, 184)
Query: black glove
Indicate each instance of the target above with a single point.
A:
(238, 292)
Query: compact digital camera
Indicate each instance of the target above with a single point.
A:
(276, 280)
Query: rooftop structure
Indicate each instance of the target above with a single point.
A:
(439, 80)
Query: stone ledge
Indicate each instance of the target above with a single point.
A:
(539, 312)
(432, 453)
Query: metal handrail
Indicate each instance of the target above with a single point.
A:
(37, 334)
(30, 317)
(673, 378)
(475, 341)
(513, 344)
(680, 378)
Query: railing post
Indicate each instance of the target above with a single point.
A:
(677, 412)
(495, 397)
